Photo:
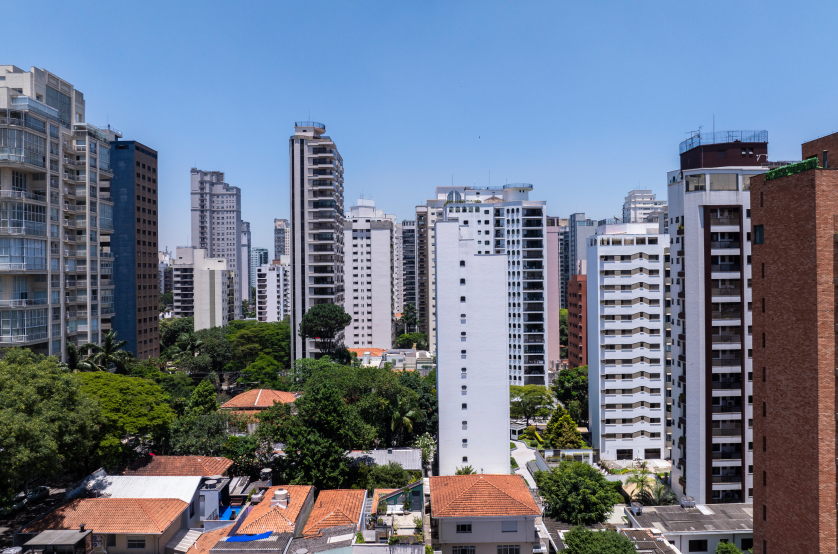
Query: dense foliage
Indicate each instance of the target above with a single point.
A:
(580, 540)
(323, 322)
(571, 389)
(419, 341)
(562, 431)
(529, 401)
(577, 493)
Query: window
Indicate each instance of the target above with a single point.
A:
(509, 548)
(462, 281)
(462, 263)
(464, 528)
(465, 443)
(465, 406)
(136, 542)
(463, 370)
(724, 181)
(759, 234)
(508, 527)
(465, 459)
(698, 545)
(462, 299)
(462, 549)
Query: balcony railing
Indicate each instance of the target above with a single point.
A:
(725, 267)
(17, 303)
(724, 244)
(33, 336)
(726, 291)
(725, 220)
(726, 339)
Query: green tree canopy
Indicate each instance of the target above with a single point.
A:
(255, 339)
(130, 407)
(571, 385)
(47, 423)
(529, 401)
(419, 341)
(562, 431)
(465, 470)
(171, 329)
(727, 548)
(265, 372)
(204, 400)
(389, 476)
(580, 540)
(199, 435)
(323, 322)
(177, 384)
(215, 345)
(577, 493)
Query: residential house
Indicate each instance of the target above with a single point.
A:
(394, 499)
(121, 525)
(147, 487)
(483, 514)
(182, 466)
(251, 402)
(336, 508)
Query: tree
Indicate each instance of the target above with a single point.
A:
(177, 384)
(110, 352)
(642, 480)
(659, 495)
(465, 470)
(253, 339)
(577, 493)
(403, 412)
(580, 540)
(264, 373)
(199, 435)
(419, 341)
(529, 401)
(315, 460)
(425, 389)
(389, 476)
(572, 385)
(409, 318)
(215, 344)
(563, 333)
(171, 329)
(427, 444)
(562, 431)
(167, 299)
(47, 423)
(203, 400)
(323, 322)
(244, 451)
(130, 408)
(727, 548)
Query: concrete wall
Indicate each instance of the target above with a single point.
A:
(486, 534)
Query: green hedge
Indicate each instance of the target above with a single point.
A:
(791, 169)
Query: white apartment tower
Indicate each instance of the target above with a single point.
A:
(273, 290)
(472, 377)
(203, 288)
(247, 277)
(640, 204)
(709, 211)
(56, 265)
(317, 258)
(217, 223)
(626, 341)
(282, 238)
(507, 222)
(258, 258)
(369, 236)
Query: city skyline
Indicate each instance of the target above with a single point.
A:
(458, 83)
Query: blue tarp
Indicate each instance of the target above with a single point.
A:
(248, 538)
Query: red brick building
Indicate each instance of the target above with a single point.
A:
(577, 317)
(795, 258)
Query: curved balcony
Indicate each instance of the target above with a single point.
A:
(17, 303)
(29, 228)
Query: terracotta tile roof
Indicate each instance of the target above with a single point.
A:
(481, 495)
(259, 399)
(377, 494)
(209, 539)
(374, 352)
(333, 508)
(149, 516)
(264, 517)
(179, 466)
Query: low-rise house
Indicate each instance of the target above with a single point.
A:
(483, 514)
(646, 541)
(252, 402)
(698, 528)
(394, 499)
(119, 525)
(409, 458)
(145, 487)
(336, 508)
(183, 466)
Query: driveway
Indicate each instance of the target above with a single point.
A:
(522, 455)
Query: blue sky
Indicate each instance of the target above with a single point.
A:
(584, 100)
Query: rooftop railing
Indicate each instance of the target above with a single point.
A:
(722, 137)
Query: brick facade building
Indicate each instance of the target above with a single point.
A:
(795, 222)
(577, 309)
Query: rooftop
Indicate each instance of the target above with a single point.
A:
(715, 518)
(264, 517)
(647, 541)
(149, 516)
(329, 539)
(334, 508)
(721, 137)
(144, 486)
(259, 399)
(408, 458)
(184, 466)
(481, 495)
(58, 538)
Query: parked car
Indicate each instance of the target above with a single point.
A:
(37, 493)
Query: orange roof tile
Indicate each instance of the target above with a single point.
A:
(150, 516)
(373, 351)
(264, 517)
(259, 399)
(377, 494)
(481, 495)
(179, 466)
(209, 539)
(334, 508)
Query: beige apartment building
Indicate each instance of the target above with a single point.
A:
(203, 287)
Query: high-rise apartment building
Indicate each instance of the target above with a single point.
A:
(56, 263)
(217, 223)
(258, 258)
(577, 320)
(710, 253)
(639, 204)
(426, 218)
(164, 271)
(370, 270)
(282, 238)
(472, 378)
(626, 341)
(555, 285)
(398, 276)
(204, 289)
(579, 229)
(793, 229)
(507, 222)
(134, 246)
(248, 277)
(408, 262)
(317, 258)
(273, 290)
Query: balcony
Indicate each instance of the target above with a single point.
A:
(725, 220)
(23, 195)
(26, 337)
(724, 244)
(726, 339)
(726, 314)
(726, 291)
(37, 229)
(731, 267)
(23, 303)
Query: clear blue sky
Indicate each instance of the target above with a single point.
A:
(586, 100)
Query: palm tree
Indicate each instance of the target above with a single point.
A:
(403, 414)
(110, 352)
(189, 343)
(78, 357)
(641, 479)
(659, 495)
(409, 318)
